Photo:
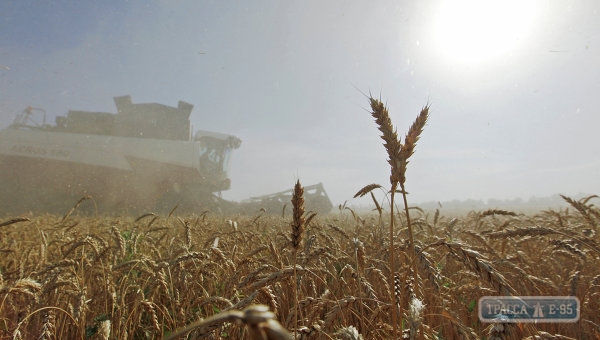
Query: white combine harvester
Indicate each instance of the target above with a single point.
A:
(144, 158)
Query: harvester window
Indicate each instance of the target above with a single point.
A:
(212, 155)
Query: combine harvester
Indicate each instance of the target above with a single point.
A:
(145, 158)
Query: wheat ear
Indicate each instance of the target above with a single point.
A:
(298, 218)
(298, 223)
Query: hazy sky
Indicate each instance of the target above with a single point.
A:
(514, 89)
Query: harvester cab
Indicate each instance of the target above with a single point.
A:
(214, 152)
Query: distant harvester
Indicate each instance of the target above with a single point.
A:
(143, 158)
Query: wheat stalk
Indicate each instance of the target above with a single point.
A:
(298, 223)
(398, 155)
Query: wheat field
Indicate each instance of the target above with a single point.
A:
(396, 272)
(120, 278)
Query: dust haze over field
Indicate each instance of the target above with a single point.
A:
(286, 78)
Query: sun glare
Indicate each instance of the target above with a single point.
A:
(476, 32)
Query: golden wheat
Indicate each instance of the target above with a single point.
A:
(151, 281)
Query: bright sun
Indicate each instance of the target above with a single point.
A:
(478, 32)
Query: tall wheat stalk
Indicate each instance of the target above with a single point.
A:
(398, 155)
(298, 223)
